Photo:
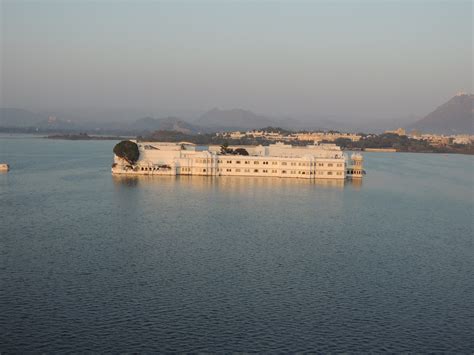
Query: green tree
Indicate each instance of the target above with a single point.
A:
(241, 151)
(225, 148)
(127, 150)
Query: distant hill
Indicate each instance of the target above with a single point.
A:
(453, 117)
(15, 117)
(234, 120)
(19, 118)
(167, 124)
(53, 123)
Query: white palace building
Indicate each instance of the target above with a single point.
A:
(322, 161)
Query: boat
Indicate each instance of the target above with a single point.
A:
(4, 167)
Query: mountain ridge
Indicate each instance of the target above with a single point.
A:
(453, 117)
(232, 119)
(167, 123)
(18, 117)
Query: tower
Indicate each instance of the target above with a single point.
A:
(357, 168)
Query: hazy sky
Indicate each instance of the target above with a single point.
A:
(342, 58)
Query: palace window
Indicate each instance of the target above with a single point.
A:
(329, 172)
(229, 161)
(274, 162)
(228, 169)
(320, 164)
(255, 171)
(283, 171)
(339, 173)
(293, 164)
(265, 171)
(256, 162)
(339, 165)
(247, 162)
(283, 163)
(238, 161)
(237, 170)
(274, 171)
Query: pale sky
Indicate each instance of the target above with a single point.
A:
(343, 58)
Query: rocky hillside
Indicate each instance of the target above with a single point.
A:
(217, 119)
(168, 124)
(453, 117)
(15, 117)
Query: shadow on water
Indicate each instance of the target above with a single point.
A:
(229, 182)
(356, 184)
(125, 181)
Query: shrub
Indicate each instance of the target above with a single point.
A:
(241, 151)
(127, 150)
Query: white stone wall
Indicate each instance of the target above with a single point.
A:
(310, 162)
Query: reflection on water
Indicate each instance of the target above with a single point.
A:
(228, 182)
(355, 183)
(126, 181)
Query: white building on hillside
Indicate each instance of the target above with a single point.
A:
(325, 161)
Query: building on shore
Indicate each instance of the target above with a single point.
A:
(399, 132)
(382, 150)
(325, 136)
(441, 139)
(323, 161)
(276, 136)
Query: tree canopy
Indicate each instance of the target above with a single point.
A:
(241, 151)
(238, 151)
(127, 150)
(225, 148)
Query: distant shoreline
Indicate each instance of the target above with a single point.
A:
(464, 150)
(84, 137)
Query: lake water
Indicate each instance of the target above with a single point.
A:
(89, 262)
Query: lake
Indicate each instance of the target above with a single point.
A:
(92, 262)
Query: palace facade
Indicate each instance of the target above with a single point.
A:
(322, 161)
